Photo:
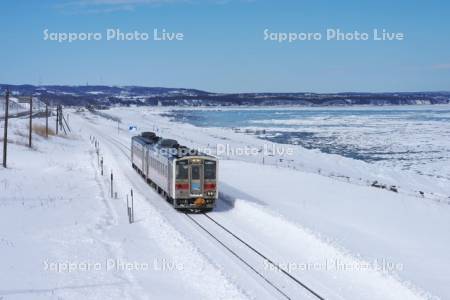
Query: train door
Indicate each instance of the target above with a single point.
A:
(196, 179)
(146, 161)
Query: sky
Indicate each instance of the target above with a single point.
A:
(224, 47)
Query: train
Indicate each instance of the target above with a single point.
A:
(185, 177)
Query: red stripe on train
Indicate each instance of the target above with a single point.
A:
(209, 186)
(182, 186)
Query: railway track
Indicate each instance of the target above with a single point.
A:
(288, 286)
(280, 280)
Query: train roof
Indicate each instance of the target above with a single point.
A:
(172, 149)
(144, 141)
(149, 135)
(168, 143)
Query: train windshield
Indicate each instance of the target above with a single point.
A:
(182, 170)
(195, 172)
(210, 169)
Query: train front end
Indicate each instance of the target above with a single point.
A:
(195, 183)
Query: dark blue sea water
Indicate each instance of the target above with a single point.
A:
(409, 137)
(293, 117)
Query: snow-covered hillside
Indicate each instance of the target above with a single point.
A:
(340, 238)
(63, 237)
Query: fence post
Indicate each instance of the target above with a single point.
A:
(128, 211)
(132, 207)
(101, 163)
(112, 181)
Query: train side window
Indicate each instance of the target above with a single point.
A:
(210, 169)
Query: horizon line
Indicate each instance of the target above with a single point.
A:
(211, 92)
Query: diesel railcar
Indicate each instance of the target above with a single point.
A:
(185, 177)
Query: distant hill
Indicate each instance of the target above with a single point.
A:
(138, 95)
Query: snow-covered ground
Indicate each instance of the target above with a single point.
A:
(63, 237)
(339, 236)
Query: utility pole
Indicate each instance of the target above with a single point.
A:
(57, 119)
(61, 117)
(31, 121)
(5, 136)
(46, 120)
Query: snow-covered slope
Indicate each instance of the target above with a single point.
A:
(401, 236)
(342, 239)
(63, 237)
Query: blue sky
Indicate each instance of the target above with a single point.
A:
(224, 49)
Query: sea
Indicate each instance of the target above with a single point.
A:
(413, 138)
